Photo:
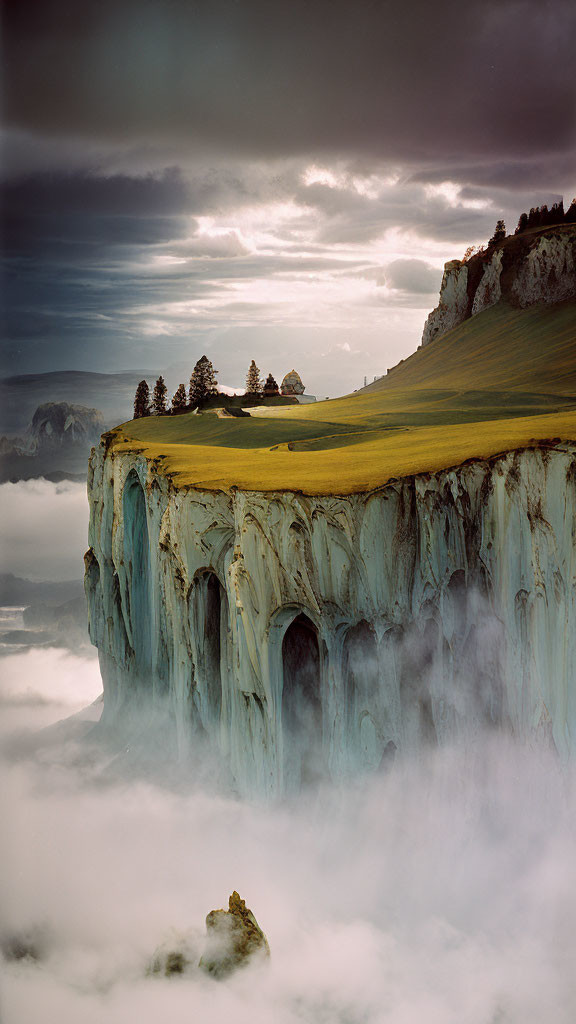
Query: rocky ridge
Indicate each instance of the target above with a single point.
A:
(524, 270)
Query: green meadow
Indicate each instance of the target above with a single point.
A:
(502, 380)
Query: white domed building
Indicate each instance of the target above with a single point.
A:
(292, 387)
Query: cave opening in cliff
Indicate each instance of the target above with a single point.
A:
(137, 563)
(215, 607)
(301, 704)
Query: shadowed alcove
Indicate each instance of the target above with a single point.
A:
(137, 562)
(301, 704)
(209, 625)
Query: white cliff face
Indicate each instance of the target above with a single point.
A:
(526, 272)
(489, 291)
(305, 634)
(548, 274)
(453, 306)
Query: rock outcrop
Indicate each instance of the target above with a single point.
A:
(59, 423)
(56, 446)
(309, 635)
(453, 306)
(175, 956)
(234, 937)
(524, 270)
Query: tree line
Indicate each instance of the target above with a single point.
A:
(541, 216)
(538, 217)
(202, 387)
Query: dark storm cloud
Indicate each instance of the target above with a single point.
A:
(409, 81)
(348, 216)
(156, 155)
(85, 282)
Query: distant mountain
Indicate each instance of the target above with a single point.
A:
(56, 446)
(111, 393)
(18, 592)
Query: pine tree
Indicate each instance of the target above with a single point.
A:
(142, 400)
(570, 215)
(499, 233)
(203, 382)
(557, 212)
(270, 387)
(522, 224)
(159, 397)
(253, 382)
(179, 402)
(544, 216)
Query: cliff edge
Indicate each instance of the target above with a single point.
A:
(533, 267)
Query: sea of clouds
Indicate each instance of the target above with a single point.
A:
(44, 530)
(443, 891)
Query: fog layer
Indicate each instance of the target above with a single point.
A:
(44, 529)
(442, 891)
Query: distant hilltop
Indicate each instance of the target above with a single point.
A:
(535, 265)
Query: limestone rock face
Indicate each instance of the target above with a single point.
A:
(308, 635)
(233, 938)
(453, 305)
(489, 291)
(548, 274)
(524, 271)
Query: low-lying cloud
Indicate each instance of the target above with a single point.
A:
(441, 891)
(44, 529)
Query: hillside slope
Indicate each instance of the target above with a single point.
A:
(504, 379)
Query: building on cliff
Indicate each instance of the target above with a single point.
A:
(292, 387)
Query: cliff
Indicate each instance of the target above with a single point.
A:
(534, 267)
(307, 634)
(313, 589)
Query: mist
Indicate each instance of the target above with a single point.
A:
(443, 890)
(44, 529)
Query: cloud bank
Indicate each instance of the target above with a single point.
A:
(443, 891)
(211, 177)
(44, 529)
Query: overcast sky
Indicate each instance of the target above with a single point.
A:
(277, 179)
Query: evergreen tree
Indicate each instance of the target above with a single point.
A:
(159, 397)
(557, 213)
(499, 233)
(270, 387)
(203, 382)
(534, 217)
(522, 224)
(142, 400)
(544, 216)
(253, 382)
(179, 402)
(570, 215)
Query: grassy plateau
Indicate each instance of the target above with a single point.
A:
(504, 379)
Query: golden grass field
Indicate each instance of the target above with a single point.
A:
(502, 380)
